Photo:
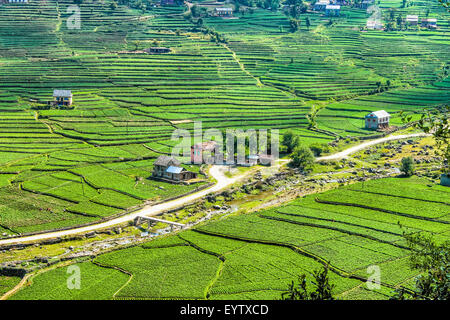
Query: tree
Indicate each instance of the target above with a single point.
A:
(307, 22)
(323, 289)
(445, 4)
(295, 24)
(319, 148)
(407, 166)
(399, 21)
(113, 5)
(303, 158)
(437, 124)
(312, 116)
(290, 141)
(136, 43)
(433, 260)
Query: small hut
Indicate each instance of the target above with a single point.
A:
(157, 50)
(332, 10)
(377, 120)
(62, 97)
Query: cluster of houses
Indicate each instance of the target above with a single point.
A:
(169, 169)
(332, 8)
(413, 20)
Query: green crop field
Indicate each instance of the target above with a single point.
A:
(62, 167)
(70, 167)
(255, 256)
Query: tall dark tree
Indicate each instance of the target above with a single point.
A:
(323, 290)
(433, 260)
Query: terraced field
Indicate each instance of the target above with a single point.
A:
(255, 256)
(61, 168)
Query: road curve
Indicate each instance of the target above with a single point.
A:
(216, 171)
(364, 145)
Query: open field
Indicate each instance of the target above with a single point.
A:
(256, 255)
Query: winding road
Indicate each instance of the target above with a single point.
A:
(364, 145)
(216, 171)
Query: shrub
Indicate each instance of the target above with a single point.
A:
(407, 166)
(303, 158)
(290, 141)
(319, 148)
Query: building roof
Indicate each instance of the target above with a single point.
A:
(322, 2)
(412, 18)
(253, 157)
(429, 20)
(224, 9)
(166, 161)
(174, 169)
(207, 145)
(378, 114)
(62, 93)
(159, 48)
(333, 7)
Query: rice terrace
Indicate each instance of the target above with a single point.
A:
(224, 150)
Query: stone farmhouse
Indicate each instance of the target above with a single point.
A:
(169, 169)
(377, 120)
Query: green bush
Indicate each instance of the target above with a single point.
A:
(407, 166)
(303, 158)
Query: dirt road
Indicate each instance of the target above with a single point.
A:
(216, 171)
(367, 144)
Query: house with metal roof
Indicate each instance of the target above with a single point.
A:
(377, 120)
(62, 97)
(223, 12)
(169, 169)
(430, 23)
(412, 20)
(332, 10)
(320, 5)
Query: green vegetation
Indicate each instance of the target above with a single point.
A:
(407, 166)
(257, 255)
(67, 167)
(302, 157)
